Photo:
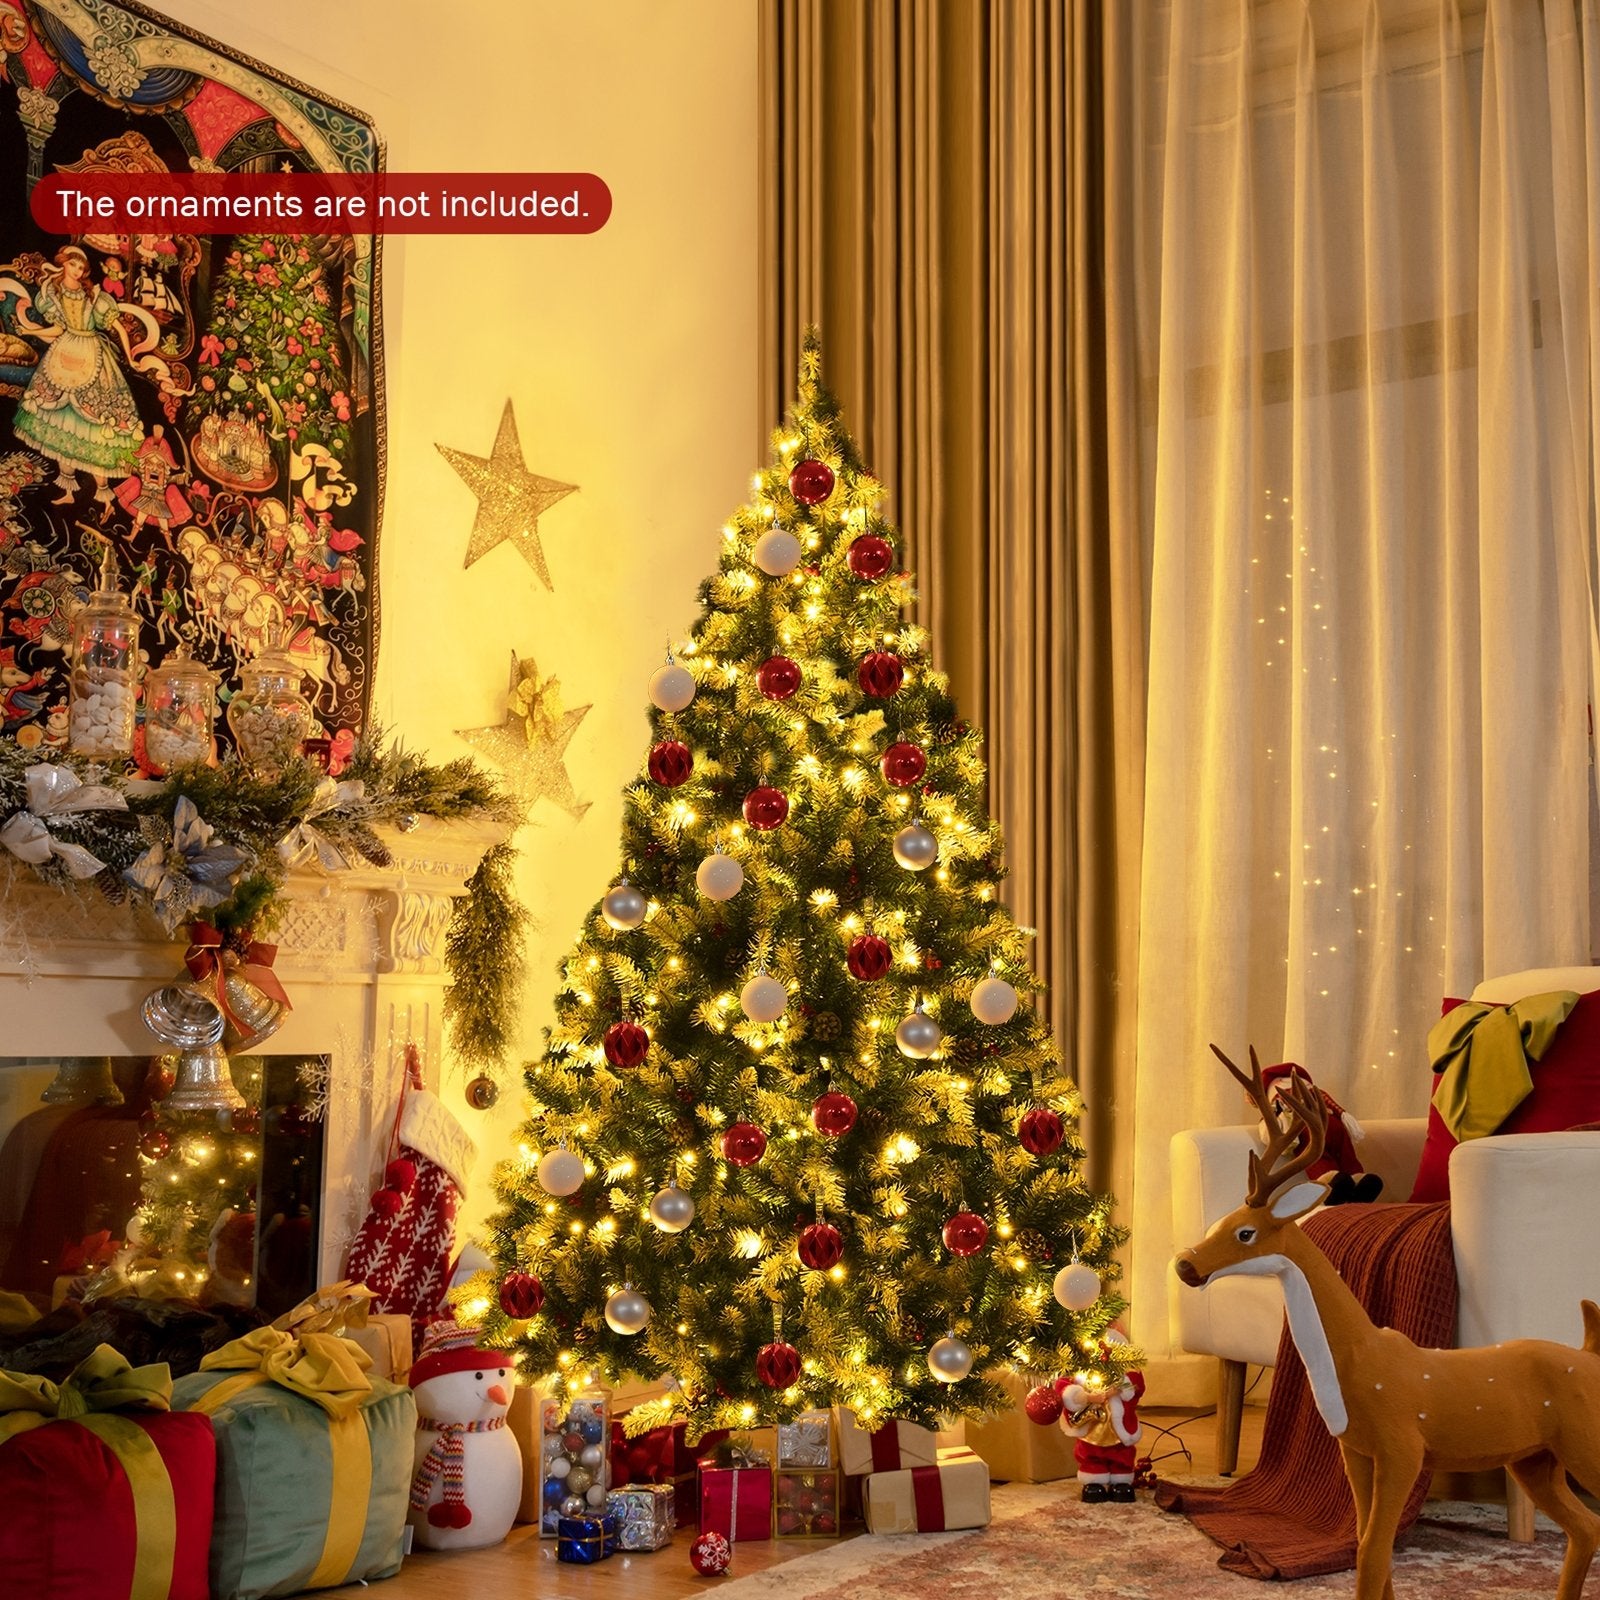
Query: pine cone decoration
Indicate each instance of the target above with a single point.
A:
(826, 1026)
(683, 1134)
(948, 733)
(1034, 1245)
(962, 1052)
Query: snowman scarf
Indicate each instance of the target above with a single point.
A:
(446, 1459)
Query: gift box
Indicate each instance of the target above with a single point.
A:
(805, 1503)
(313, 1459)
(1018, 1450)
(387, 1340)
(646, 1515)
(581, 1540)
(807, 1441)
(664, 1456)
(571, 1461)
(889, 1447)
(611, 1528)
(108, 1493)
(736, 1500)
(954, 1493)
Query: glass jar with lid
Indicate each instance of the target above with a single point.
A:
(268, 715)
(105, 669)
(180, 707)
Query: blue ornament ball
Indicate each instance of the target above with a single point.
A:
(592, 1429)
(555, 1491)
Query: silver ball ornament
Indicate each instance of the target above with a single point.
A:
(671, 687)
(994, 1001)
(592, 1457)
(719, 876)
(1077, 1286)
(915, 847)
(918, 1036)
(595, 1494)
(777, 553)
(763, 999)
(950, 1360)
(573, 1505)
(624, 907)
(560, 1172)
(627, 1311)
(672, 1209)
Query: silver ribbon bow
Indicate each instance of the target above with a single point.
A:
(192, 874)
(305, 842)
(53, 793)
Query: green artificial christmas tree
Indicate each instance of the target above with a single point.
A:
(796, 1139)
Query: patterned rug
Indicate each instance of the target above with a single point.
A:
(1045, 1543)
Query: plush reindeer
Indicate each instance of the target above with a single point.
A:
(1397, 1410)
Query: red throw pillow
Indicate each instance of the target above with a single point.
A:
(1566, 1092)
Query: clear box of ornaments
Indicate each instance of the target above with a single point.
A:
(574, 1456)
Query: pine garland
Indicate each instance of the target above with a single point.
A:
(484, 947)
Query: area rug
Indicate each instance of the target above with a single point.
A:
(1045, 1543)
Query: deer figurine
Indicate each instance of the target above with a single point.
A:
(1530, 1406)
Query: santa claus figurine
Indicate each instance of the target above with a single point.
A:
(1104, 1425)
(1349, 1182)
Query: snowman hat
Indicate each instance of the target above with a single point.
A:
(448, 1347)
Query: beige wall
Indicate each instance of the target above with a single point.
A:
(630, 357)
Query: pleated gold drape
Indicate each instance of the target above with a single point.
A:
(944, 196)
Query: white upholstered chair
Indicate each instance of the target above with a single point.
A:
(1526, 1247)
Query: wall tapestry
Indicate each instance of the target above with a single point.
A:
(210, 407)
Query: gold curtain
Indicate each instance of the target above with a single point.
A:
(945, 194)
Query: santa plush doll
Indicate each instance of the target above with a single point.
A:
(1104, 1426)
(1348, 1181)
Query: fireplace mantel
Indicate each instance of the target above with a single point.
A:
(361, 954)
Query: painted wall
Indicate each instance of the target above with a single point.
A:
(630, 357)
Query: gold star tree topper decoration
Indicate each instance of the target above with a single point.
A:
(530, 745)
(510, 498)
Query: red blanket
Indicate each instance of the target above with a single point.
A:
(1293, 1516)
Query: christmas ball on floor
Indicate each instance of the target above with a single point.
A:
(1077, 1286)
(1043, 1405)
(903, 764)
(880, 674)
(868, 957)
(778, 1365)
(965, 1234)
(671, 687)
(811, 482)
(918, 1036)
(950, 1360)
(672, 1209)
(560, 1173)
(869, 556)
(777, 553)
(833, 1113)
(626, 1044)
(624, 907)
(820, 1246)
(710, 1555)
(763, 999)
(719, 876)
(766, 808)
(627, 1311)
(521, 1295)
(743, 1144)
(671, 762)
(915, 847)
(1041, 1131)
(778, 677)
(994, 1001)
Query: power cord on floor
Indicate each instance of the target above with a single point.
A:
(1145, 1469)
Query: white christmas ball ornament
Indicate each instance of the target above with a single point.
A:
(719, 876)
(1077, 1286)
(560, 1172)
(624, 907)
(764, 999)
(777, 553)
(671, 687)
(950, 1360)
(591, 1457)
(918, 1036)
(595, 1494)
(627, 1311)
(994, 1001)
(672, 1209)
(558, 1466)
(915, 847)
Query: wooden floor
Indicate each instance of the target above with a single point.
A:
(525, 1565)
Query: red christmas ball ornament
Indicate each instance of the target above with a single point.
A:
(710, 1555)
(833, 1113)
(868, 957)
(626, 1044)
(572, 1443)
(903, 764)
(671, 762)
(965, 1234)
(743, 1144)
(778, 1365)
(870, 557)
(521, 1295)
(778, 677)
(766, 808)
(790, 1522)
(880, 674)
(823, 1523)
(1043, 1405)
(155, 1144)
(1041, 1131)
(811, 482)
(820, 1246)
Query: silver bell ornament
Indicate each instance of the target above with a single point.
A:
(719, 876)
(918, 1036)
(672, 1209)
(82, 1081)
(994, 1001)
(763, 999)
(1077, 1286)
(915, 847)
(178, 1014)
(627, 1311)
(777, 553)
(950, 1360)
(624, 907)
(560, 1172)
(671, 686)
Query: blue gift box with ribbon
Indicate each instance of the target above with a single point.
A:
(585, 1540)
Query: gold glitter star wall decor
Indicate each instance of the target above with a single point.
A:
(529, 745)
(510, 498)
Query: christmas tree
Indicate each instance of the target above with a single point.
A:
(796, 1138)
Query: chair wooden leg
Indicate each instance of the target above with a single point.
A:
(1519, 1513)
(1230, 1413)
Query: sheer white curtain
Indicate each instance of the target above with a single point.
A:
(1373, 234)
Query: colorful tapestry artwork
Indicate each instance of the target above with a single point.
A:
(210, 407)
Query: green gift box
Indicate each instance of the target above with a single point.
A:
(313, 1463)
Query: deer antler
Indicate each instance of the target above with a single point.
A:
(1308, 1111)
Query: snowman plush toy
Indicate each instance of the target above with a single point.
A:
(467, 1481)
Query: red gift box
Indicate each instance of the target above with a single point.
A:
(736, 1502)
(116, 1504)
